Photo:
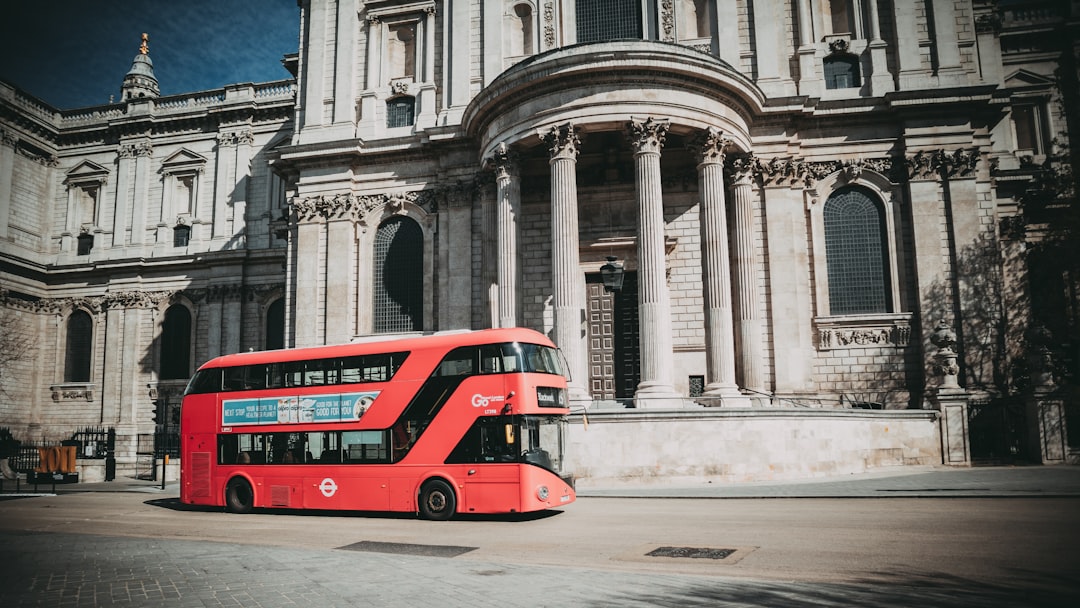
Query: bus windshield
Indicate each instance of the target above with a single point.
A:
(530, 439)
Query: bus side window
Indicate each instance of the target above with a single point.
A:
(294, 373)
(228, 449)
(459, 362)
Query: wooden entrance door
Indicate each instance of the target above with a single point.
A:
(614, 357)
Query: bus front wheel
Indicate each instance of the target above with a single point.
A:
(437, 500)
(238, 496)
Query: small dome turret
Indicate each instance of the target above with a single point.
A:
(140, 80)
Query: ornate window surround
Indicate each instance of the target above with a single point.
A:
(380, 17)
(85, 175)
(864, 330)
(183, 163)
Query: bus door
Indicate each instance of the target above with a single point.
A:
(489, 449)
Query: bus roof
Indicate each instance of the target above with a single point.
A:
(384, 344)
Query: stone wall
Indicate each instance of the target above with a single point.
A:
(696, 446)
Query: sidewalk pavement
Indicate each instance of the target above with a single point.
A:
(892, 482)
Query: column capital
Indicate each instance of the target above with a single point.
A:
(741, 168)
(647, 135)
(562, 141)
(504, 162)
(709, 146)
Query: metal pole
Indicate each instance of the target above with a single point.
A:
(164, 463)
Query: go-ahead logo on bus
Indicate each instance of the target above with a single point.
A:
(479, 400)
(328, 487)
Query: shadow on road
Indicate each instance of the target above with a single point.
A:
(174, 504)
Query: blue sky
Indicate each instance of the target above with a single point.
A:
(75, 53)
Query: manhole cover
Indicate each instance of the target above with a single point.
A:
(408, 549)
(693, 552)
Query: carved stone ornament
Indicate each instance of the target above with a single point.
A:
(856, 333)
(938, 164)
(504, 162)
(354, 207)
(709, 145)
(667, 19)
(647, 135)
(562, 141)
(839, 46)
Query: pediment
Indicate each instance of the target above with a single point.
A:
(1024, 79)
(183, 160)
(86, 171)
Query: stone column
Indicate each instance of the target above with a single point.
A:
(881, 80)
(240, 189)
(344, 111)
(748, 319)
(489, 272)
(654, 304)
(124, 171)
(141, 193)
(907, 46)
(811, 82)
(508, 208)
(946, 42)
(308, 305)
(8, 141)
(567, 279)
(340, 284)
(716, 268)
(771, 49)
(226, 143)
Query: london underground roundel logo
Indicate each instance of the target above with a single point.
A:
(328, 487)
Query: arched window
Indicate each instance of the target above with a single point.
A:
(842, 72)
(399, 276)
(855, 252)
(400, 111)
(79, 347)
(599, 20)
(275, 325)
(176, 343)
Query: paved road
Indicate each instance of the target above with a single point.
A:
(136, 545)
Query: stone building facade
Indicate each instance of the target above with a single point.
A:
(796, 195)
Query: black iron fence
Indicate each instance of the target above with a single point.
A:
(51, 457)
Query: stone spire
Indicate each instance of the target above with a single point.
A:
(140, 80)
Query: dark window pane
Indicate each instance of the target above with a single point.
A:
(275, 325)
(855, 253)
(80, 328)
(181, 236)
(399, 277)
(176, 343)
(86, 244)
(400, 112)
(841, 72)
(599, 20)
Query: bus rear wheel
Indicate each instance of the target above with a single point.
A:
(238, 496)
(437, 501)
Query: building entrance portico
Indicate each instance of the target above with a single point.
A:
(620, 134)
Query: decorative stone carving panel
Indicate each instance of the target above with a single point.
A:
(863, 332)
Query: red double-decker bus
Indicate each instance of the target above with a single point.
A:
(470, 422)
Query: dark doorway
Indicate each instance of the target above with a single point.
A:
(614, 356)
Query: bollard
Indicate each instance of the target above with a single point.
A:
(164, 464)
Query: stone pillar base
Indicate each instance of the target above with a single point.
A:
(953, 404)
(1048, 413)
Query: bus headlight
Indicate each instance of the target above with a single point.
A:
(542, 492)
